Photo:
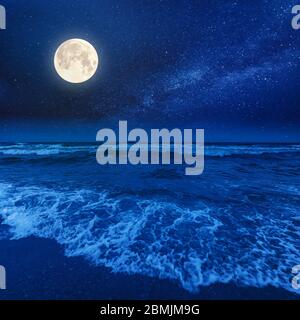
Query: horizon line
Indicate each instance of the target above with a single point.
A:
(208, 142)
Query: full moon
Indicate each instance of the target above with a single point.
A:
(76, 60)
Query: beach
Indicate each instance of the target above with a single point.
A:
(71, 229)
(38, 269)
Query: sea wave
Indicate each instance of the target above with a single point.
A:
(44, 150)
(195, 246)
(230, 150)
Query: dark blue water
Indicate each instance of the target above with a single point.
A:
(239, 222)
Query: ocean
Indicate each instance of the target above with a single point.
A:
(237, 223)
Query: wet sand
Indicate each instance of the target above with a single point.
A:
(38, 269)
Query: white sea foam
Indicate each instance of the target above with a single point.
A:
(196, 247)
(43, 149)
(222, 151)
(210, 150)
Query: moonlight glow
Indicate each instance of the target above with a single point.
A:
(76, 60)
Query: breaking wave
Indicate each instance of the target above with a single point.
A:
(42, 149)
(196, 246)
(210, 150)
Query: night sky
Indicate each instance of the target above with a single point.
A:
(230, 67)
